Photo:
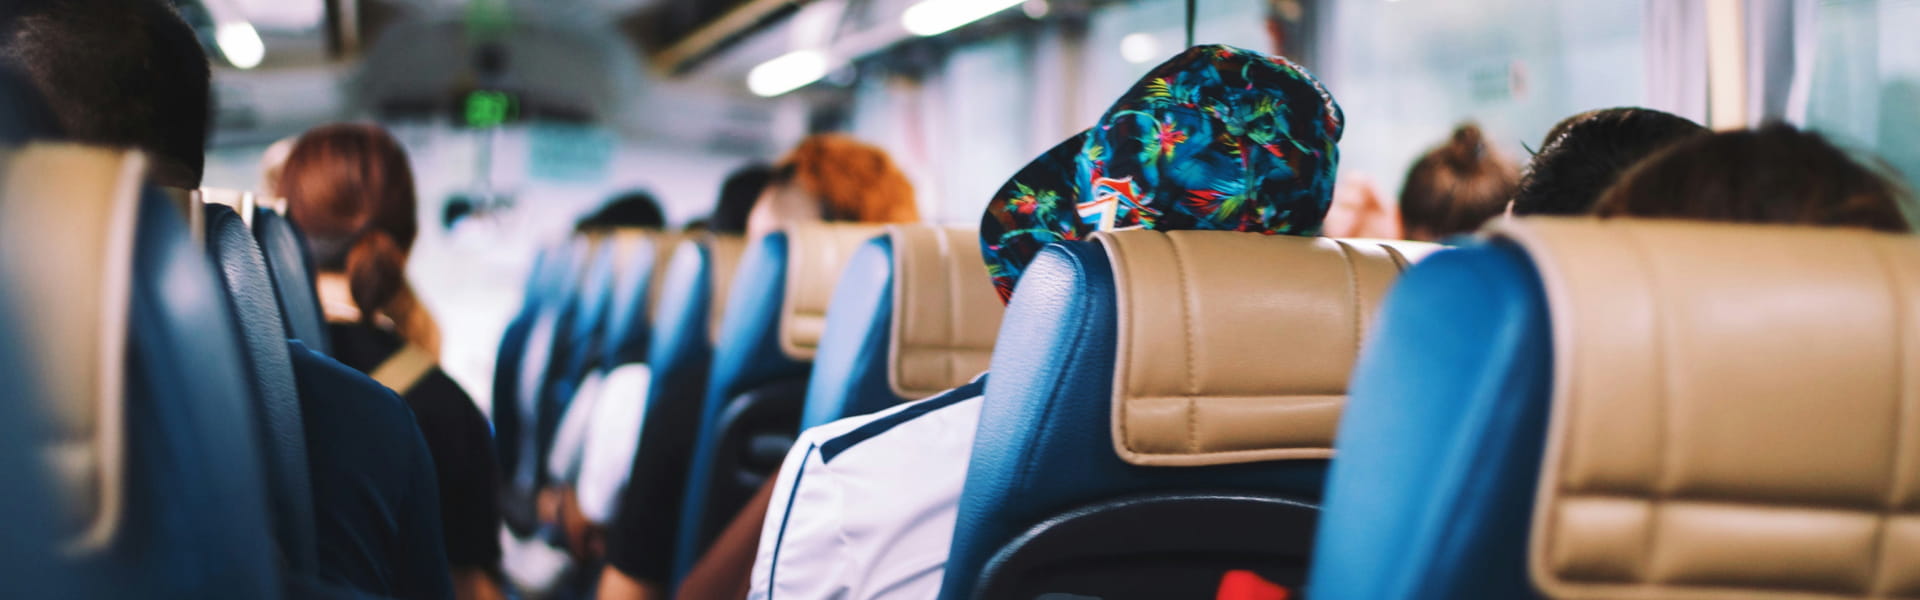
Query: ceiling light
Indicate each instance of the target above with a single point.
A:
(786, 73)
(934, 17)
(1139, 48)
(240, 44)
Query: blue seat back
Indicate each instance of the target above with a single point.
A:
(159, 487)
(850, 372)
(1255, 419)
(1441, 441)
(1591, 408)
(285, 249)
(256, 305)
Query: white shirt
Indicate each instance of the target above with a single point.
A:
(864, 507)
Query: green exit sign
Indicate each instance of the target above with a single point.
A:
(487, 108)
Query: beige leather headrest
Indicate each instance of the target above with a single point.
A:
(1736, 411)
(725, 251)
(662, 244)
(815, 254)
(945, 312)
(67, 217)
(1235, 347)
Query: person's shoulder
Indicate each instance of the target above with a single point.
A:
(900, 424)
(329, 386)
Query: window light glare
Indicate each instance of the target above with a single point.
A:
(1139, 48)
(787, 72)
(934, 17)
(240, 44)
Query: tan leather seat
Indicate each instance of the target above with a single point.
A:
(1735, 412)
(1164, 400)
(148, 421)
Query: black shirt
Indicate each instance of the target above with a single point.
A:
(376, 504)
(457, 435)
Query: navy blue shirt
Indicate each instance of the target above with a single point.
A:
(375, 501)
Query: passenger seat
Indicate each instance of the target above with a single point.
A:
(285, 249)
(1636, 409)
(914, 315)
(154, 441)
(775, 319)
(251, 296)
(697, 281)
(1161, 410)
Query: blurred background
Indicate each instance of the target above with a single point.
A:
(521, 115)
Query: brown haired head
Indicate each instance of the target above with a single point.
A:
(348, 187)
(1775, 174)
(1456, 187)
(853, 181)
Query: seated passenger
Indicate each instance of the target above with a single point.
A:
(1358, 211)
(350, 190)
(738, 195)
(1456, 187)
(1216, 138)
(833, 177)
(1585, 153)
(827, 177)
(1774, 174)
(132, 74)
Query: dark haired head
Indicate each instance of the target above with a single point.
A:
(348, 187)
(1456, 187)
(1585, 153)
(1775, 174)
(737, 197)
(635, 208)
(118, 73)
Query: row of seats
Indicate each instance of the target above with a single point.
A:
(1568, 408)
(738, 370)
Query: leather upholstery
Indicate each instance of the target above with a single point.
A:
(181, 479)
(1045, 444)
(251, 296)
(1199, 380)
(946, 313)
(1727, 409)
(724, 257)
(819, 251)
(1732, 412)
(1441, 438)
(913, 315)
(286, 253)
(69, 260)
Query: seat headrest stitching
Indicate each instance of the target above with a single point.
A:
(1663, 347)
(1903, 389)
(1400, 261)
(950, 273)
(1186, 327)
(1356, 303)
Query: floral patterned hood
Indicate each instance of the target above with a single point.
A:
(1216, 138)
